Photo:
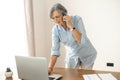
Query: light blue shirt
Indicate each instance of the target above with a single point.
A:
(74, 50)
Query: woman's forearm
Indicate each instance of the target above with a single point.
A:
(77, 35)
(52, 62)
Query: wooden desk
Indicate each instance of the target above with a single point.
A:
(76, 74)
(72, 74)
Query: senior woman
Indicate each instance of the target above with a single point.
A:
(70, 31)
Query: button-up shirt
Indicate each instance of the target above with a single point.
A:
(83, 50)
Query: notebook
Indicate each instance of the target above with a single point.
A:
(33, 68)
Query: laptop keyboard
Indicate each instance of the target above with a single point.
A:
(55, 76)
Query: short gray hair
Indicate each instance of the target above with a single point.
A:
(59, 8)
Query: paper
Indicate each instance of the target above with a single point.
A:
(91, 77)
(107, 76)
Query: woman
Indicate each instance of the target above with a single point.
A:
(71, 32)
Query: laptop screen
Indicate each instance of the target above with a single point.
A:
(32, 68)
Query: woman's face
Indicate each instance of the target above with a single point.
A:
(57, 17)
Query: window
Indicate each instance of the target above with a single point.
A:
(12, 32)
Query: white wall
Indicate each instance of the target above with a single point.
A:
(101, 19)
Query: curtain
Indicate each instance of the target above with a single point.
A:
(30, 26)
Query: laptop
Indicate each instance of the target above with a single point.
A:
(34, 68)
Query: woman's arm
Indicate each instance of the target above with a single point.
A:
(77, 35)
(52, 62)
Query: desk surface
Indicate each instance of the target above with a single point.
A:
(71, 74)
(76, 74)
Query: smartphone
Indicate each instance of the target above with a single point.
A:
(64, 14)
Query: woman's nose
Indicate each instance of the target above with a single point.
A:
(56, 20)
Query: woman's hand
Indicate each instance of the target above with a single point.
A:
(68, 20)
(50, 70)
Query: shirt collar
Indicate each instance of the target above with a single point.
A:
(60, 27)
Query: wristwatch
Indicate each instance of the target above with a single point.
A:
(72, 29)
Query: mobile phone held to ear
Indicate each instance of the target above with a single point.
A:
(64, 14)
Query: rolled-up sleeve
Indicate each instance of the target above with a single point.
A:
(80, 27)
(55, 42)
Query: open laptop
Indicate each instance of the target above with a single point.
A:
(33, 68)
